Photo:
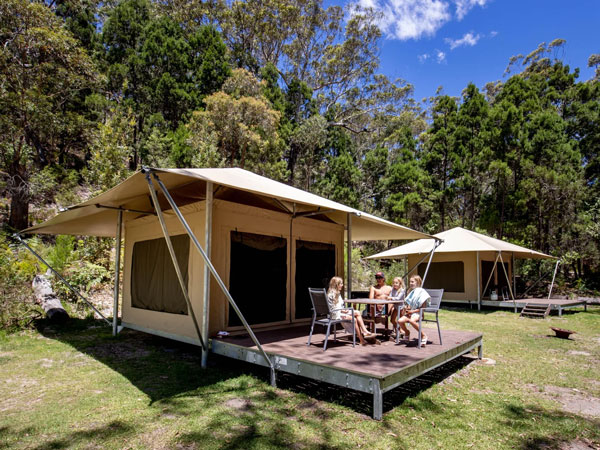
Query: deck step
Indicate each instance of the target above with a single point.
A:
(533, 311)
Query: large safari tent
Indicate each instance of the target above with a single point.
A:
(210, 250)
(466, 264)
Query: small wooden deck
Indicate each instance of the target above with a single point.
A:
(556, 304)
(374, 369)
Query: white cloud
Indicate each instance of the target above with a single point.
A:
(410, 19)
(469, 39)
(440, 56)
(424, 57)
(464, 6)
(413, 19)
(493, 34)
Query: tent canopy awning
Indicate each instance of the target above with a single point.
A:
(98, 215)
(459, 240)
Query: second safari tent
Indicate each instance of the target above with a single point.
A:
(467, 265)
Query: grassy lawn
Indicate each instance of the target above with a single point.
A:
(78, 387)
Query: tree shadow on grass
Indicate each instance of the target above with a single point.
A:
(161, 368)
(165, 369)
(527, 418)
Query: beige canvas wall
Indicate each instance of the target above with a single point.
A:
(149, 228)
(469, 260)
(227, 217)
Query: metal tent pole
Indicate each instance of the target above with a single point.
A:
(349, 253)
(115, 323)
(435, 245)
(491, 274)
(184, 290)
(214, 272)
(514, 276)
(75, 291)
(208, 244)
(553, 277)
(507, 281)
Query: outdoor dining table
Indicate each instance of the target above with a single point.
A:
(373, 303)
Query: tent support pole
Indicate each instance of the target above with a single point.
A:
(491, 274)
(214, 273)
(75, 291)
(169, 243)
(553, 277)
(407, 273)
(115, 323)
(435, 246)
(507, 281)
(478, 284)
(514, 275)
(208, 244)
(349, 253)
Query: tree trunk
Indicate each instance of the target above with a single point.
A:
(45, 296)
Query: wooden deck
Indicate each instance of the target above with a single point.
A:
(373, 369)
(556, 304)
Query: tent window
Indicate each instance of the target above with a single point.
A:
(449, 276)
(498, 280)
(315, 265)
(154, 283)
(258, 278)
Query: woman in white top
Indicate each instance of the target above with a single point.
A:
(397, 293)
(416, 298)
(336, 305)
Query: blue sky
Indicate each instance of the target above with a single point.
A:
(449, 43)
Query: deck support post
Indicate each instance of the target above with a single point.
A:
(208, 245)
(377, 400)
(115, 323)
(480, 351)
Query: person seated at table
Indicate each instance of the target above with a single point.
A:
(336, 305)
(398, 293)
(379, 291)
(416, 298)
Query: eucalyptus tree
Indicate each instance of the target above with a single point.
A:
(238, 128)
(42, 70)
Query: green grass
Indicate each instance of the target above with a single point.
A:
(78, 387)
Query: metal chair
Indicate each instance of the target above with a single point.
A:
(434, 307)
(322, 316)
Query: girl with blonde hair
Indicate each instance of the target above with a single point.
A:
(336, 305)
(417, 298)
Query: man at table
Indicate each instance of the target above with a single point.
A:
(379, 291)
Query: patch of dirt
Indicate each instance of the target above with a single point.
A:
(579, 444)
(574, 400)
(577, 352)
(239, 404)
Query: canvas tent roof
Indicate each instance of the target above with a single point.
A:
(458, 240)
(98, 216)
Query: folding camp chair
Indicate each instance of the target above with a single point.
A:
(434, 307)
(322, 316)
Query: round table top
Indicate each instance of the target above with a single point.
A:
(373, 301)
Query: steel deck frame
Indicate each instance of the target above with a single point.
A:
(351, 379)
(520, 304)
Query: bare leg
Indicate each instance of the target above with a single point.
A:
(402, 322)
